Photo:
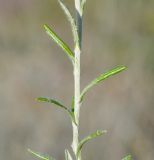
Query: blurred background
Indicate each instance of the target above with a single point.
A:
(116, 32)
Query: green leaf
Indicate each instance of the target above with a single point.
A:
(49, 100)
(101, 78)
(129, 157)
(71, 20)
(67, 155)
(72, 116)
(72, 105)
(40, 156)
(59, 42)
(86, 139)
(83, 2)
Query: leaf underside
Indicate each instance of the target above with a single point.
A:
(40, 156)
(101, 78)
(59, 42)
(90, 137)
(58, 104)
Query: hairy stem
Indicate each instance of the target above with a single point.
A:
(77, 51)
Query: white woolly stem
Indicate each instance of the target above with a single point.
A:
(77, 52)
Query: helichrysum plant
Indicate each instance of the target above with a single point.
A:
(74, 110)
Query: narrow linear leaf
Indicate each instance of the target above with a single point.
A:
(86, 139)
(129, 157)
(72, 116)
(101, 78)
(53, 101)
(71, 20)
(72, 105)
(40, 156)
(83, 2)
(49, 100)
(59, 42)
(67, 155)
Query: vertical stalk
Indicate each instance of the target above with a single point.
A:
(77, 52)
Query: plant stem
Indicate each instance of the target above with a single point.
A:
(77, 104)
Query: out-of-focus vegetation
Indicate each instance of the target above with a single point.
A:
(115, 32)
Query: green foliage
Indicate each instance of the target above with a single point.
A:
(73, 112)
(86, 139)
(43, 99)
(58, 104)
(59, 42)
(40, 156)
(101, 78)
(129, 157)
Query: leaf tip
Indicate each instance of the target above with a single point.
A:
(28, 150)
(41, 99)
(60, 1)
(124, 67)
(45, 26)
(100, 132)
(36, 99)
